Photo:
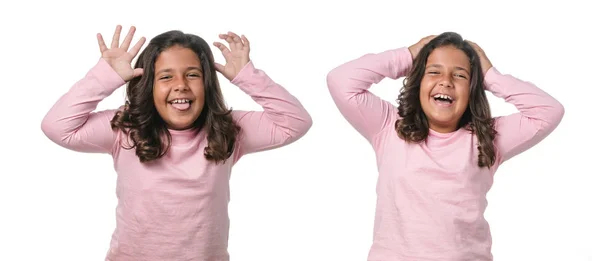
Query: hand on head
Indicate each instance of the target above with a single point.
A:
(416, 48)
(119, 57)
(236, 56)
(485, 62)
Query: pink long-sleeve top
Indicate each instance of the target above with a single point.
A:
(431, 197)
(177, 207)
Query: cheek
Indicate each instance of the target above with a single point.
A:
(425, 89)
(462, 91)
(160, 94)
(198, 91)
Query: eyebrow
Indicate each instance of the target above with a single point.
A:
(188, 68)
(439, 66)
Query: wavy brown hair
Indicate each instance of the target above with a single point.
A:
(477, 118)
(140, 120)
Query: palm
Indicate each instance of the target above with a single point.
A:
(118, 57)
(236, 56)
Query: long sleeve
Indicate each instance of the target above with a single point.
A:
(282, 121)
(71, 123)
(539, 114)
(349, 83)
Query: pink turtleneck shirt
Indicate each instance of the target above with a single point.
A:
(431, 197)
(177, 207)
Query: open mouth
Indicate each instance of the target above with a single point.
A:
(443, 99)
(181, 104)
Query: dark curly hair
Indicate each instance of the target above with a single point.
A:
(140, 120)
(477, 118)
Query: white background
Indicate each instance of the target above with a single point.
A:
(312, 200)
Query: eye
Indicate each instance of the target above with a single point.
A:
(433, 72)
(194, 75)
(164, 77)
(461, 76)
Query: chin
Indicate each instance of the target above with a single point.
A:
(442, 121)
(441, 118)
(180, 120)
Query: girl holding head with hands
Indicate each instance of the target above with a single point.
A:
(437, 152)
(174, 142)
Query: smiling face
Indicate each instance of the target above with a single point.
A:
(178, 87)
(444, 92)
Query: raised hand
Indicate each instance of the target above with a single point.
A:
(416, 48)
(236, 56)
(485, 62)
(118, 57)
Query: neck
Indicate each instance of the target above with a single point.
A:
(444, 128)
(183, 137)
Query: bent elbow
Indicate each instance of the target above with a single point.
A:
(558, 112)
(303, 125)
(49, 128)
(307, 124)
(551, 118)
(332, 79)
(54, 131)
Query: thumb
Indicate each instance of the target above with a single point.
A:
(137, 72)
(220, 68)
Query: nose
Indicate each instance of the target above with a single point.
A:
(446, 81)
(180, 85)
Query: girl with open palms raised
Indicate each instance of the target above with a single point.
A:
(174, 141)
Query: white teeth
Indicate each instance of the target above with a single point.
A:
(180, 101)
(443, 96)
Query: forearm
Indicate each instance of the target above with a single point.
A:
(357, 76)
(283, 119)
(539, 114)
(71, 123)
(531, 101)
(349, 83)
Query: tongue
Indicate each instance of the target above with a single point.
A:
(443, 100)
(181, 106)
